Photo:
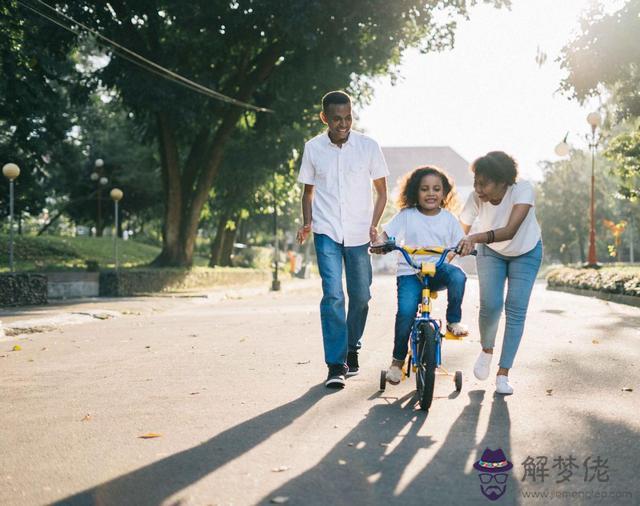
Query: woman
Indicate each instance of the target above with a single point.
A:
(509, 249)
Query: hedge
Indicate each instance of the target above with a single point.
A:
(623, 282)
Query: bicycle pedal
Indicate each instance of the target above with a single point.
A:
(452, 336)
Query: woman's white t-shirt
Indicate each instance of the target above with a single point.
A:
(413, 228)
(491, 217)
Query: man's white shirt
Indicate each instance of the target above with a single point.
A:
(343, 200)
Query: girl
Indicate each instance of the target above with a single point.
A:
(425, 195)
(509, 249)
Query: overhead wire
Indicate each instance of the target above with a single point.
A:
(138, 59)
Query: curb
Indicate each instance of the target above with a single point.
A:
(629, 300)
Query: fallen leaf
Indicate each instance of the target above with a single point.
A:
(627, 389)
(86, 418)
(595, 341)
(279, 499)
(305, 362)
(549, 391)
(17, 347)
(555, 360)
(43, 349)
(149, 435)
(147, 347)
(194, 393)
(243, 339)
(280, 469)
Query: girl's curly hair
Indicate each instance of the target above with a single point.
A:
(410, 187)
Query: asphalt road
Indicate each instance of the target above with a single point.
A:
(233, 389)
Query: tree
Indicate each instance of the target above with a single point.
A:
(607, 53)
(36, 90)
(562, 208)
(278, 54)
(105, 131)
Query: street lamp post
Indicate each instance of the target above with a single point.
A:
(275, 284)
(116, 195)
(562, 149)
(11, 171)
(594, 121)
(101, 181)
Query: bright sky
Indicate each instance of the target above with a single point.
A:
(488, 92)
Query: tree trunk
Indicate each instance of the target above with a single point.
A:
(216, 244)
(228, 240)
(186, 193)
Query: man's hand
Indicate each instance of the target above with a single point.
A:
(373, 234)
(303, 233)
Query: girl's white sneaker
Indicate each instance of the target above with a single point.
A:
(483, 365)
(502, 385)
(394, 374)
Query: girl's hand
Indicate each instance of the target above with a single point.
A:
(466, 245)
(303, 233)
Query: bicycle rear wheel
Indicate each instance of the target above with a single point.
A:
(426, 364)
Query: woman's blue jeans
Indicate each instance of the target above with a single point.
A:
(447, 276)
(520, 274)
(342, 332)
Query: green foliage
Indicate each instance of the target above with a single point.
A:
(607, 53)
(616, 279)
(107, 132)
(562, 208)
(624, 153)
(36, 90)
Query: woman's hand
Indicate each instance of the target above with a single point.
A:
(466, 245)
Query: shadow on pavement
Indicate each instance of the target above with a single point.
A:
(371, 470)
(152, 484)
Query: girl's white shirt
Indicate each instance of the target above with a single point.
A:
(485, 216)
(412, 228)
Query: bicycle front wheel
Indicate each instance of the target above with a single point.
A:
(426, 364)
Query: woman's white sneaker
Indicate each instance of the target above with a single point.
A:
(502, 385)
(483, 365)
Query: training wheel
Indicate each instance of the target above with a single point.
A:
(383, 380)
(458, 380)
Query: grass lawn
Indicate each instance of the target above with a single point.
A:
(47, 253)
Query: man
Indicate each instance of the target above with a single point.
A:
(337, 169)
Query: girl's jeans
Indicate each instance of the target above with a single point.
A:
(520, 273)
(447, 276)
(340, 331)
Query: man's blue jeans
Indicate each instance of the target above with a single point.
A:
(520, 274)
(447, 276)
(341, 332)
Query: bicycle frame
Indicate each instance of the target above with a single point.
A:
(426, 270)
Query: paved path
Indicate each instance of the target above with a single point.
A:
(233, 387)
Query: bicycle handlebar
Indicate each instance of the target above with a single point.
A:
(390, 245)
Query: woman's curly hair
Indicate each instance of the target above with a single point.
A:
(496, 166)
(410, 188)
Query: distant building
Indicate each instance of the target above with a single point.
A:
(404, 159)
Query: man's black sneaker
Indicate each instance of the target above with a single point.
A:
(336, 376)
(352, 363)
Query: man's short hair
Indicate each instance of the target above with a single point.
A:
(335, 97)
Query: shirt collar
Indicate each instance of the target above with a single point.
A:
(347, 143)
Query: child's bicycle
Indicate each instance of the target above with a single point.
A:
(426, 333)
